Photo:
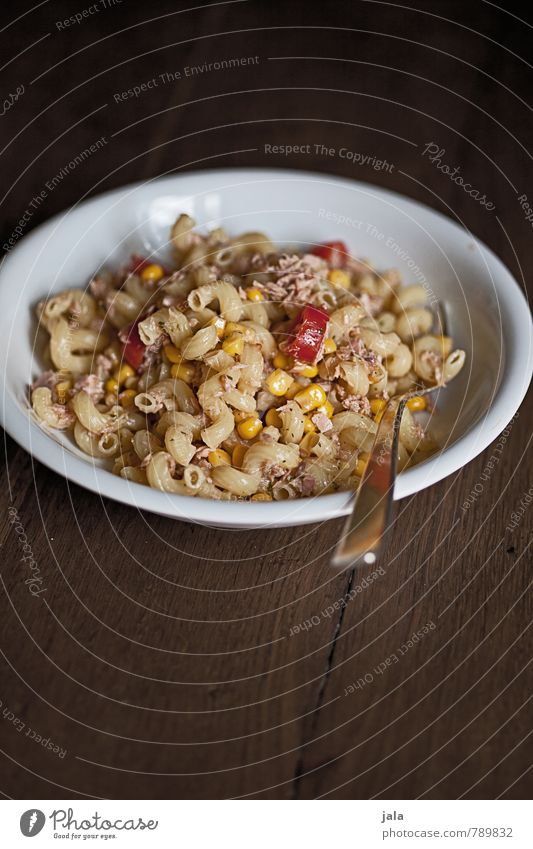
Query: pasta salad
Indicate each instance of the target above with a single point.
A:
(240, 372)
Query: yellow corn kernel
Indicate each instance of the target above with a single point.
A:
(127, 397)
(339, 278)
(254, 295)
(152, 273)
(237, 455)
(327, 409)
(233, 345)
(308, 443)
(329, 346)
(311, 397)
(111, 385)
(278, 382)
(234, 327)
(361, 465)
(240, 415)
(219, 457)
(273, 418)
(250, 427)
(183, 371)
(377, 405)
(261, 496)
(219, 323)
(282, 360)
(309, 426)
(308, 370)
(62, 389)
(416, 404)
(122, 374)
(172, 354)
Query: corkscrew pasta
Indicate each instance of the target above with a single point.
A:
(240, 372)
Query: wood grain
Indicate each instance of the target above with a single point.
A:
(169, 660)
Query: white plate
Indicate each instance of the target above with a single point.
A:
(487, 312)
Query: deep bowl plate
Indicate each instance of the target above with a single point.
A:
(487, 312)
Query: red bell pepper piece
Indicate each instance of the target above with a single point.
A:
(335, 253)
(137, 264)
(307, 330)
(134, 348)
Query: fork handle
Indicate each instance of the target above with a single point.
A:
(363, 532)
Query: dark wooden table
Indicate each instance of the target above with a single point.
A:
(160, 662)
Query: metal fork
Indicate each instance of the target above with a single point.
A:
(364, 530)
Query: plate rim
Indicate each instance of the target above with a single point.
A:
(240, 515)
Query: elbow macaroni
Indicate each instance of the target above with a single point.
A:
(187, 380)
